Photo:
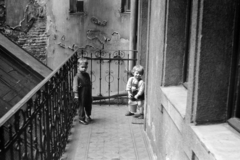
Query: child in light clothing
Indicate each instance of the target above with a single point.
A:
(135, 88)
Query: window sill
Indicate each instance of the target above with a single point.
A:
(174, 101)
(218, 139)
(77, 13)
(177, 96)
(125, 12)
(235, 123)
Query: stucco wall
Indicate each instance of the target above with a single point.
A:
(154, 74)
(15, 11)
(70, 31)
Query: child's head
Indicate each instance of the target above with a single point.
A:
(138, 71)
(82, 64)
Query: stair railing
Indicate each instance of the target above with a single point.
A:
(38, 126)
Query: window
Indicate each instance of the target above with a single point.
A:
(236, 101)
(234, 113)
(188, 34)
(76, 6)
(177, 34)
(125, 6)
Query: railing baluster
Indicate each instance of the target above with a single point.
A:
(109, 79)
(48, 102)
(64, 106)
(100, 74)
(25, 142)
(119, 55)
(128, 71)
(2, 142)
(31, 138)
(91, 65)
(35, 141)
(11, 147)
(40, 134)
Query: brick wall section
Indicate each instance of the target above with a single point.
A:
(35, 40)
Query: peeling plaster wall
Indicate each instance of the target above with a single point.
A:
(25, 24)
(2, 12)
(100, 26)
(15, 11)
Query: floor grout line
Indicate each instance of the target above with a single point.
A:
(146, 143)
(134, 142)
(87, 148)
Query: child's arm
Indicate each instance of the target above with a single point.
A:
(128, 87)
(75, 86)
(130, 94)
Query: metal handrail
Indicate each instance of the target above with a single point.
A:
(38, 126)
(24, 100)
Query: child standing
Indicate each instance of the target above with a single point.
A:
(82, 90)
(135, 88)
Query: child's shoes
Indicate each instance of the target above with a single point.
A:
(83, 122)
(137, 115)
(129, 114)
(140, 117)
(88, 119)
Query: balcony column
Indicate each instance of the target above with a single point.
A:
(133, 31)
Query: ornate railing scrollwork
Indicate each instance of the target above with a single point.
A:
(109, 72)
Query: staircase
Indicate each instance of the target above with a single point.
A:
(19, 73)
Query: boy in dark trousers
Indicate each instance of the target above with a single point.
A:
(82, 90)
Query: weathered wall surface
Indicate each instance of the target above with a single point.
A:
(100, 26)
(50, 33)
(25, 24)
(2, 12)
(171, 134)
(153, 76)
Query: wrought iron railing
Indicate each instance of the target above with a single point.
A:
(37, 128)
(109, 71)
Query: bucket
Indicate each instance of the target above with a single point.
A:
(133, 107)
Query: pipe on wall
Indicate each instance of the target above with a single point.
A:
(133, 31)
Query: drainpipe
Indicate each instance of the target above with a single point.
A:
(133, 32)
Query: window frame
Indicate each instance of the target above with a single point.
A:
(75, 8)
(234, 95)
(188, 41)
(125, 6)
(176, 69)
